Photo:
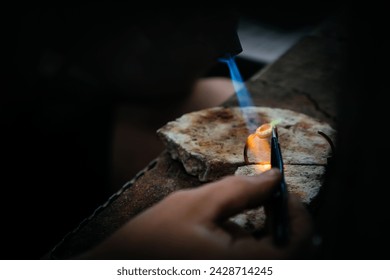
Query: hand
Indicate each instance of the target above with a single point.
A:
(191, 224)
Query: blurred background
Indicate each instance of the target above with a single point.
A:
(268, 32)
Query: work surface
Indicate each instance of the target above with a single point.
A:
(305, 79)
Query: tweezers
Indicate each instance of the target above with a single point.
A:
(280, 225)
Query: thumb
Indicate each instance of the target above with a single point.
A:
(234, 194)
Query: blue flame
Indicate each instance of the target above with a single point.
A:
(242, 93)
(243, 96)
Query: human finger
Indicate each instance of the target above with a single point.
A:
(300, 236)
(234, 194)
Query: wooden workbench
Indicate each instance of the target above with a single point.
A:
(305, 79)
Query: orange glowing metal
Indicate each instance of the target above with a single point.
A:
(264, 131)
(258, 147)
(260, 168)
